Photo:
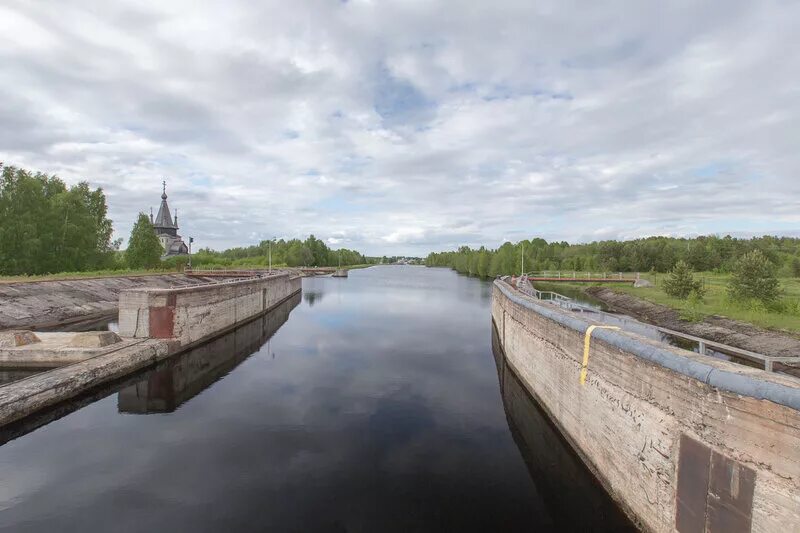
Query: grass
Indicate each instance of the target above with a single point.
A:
(716, 302)
(354, 267)
(63, 276)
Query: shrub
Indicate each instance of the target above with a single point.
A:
(754, 279)
(681, 283)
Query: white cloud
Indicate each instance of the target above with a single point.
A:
(405, 127)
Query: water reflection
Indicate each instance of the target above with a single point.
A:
(574, 498)
(380, 412)
(313, 296)
(180, 379)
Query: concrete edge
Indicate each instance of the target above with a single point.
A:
(29, 395)
(34, 393)
(235, 325)
(111, 276)
(552, 419)
(201, 287)
(742, 384)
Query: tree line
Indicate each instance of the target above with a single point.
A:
(144, 251)
(658, 254)
(47, 227)
(292, 252)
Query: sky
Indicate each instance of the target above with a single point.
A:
(404, 127)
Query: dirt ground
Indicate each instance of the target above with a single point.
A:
(715, 328)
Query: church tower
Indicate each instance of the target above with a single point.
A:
(167, 228)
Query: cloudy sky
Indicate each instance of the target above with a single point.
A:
(402, 127)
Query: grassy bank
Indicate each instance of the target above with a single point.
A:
(355, 267)
(716, 301)
(64, 276)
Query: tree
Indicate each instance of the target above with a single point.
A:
(144, 248)
(796, 267)
(681, 283)
(47, 227)
(299, 254)
(754, 279)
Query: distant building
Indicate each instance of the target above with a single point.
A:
(167, 229)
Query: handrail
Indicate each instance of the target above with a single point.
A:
(523, 285)
(213, 272)
(579, 275)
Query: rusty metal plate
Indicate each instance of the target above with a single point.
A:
(162, 322)
(694, 462)
(730, 496)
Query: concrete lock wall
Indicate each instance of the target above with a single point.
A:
(194, 314)
(681, 441)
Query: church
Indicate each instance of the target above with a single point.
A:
(167, 229)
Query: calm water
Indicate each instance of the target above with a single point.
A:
(373, 403)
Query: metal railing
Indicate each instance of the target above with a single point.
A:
(579, 275)
(704, 346)
(229, 273)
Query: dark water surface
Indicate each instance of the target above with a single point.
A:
(372, 403)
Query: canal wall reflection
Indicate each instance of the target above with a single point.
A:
(178, 380)
(203, 366)
(574, 498)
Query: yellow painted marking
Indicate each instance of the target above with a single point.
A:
(586, 342)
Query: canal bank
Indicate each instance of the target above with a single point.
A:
(716, 328)
(681, 441)
(154, 324)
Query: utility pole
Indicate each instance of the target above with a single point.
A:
(270, 254)
(523, 260)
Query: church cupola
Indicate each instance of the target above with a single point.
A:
(166, 227)
(163, 222)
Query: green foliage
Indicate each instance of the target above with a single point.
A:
(299, 255)
(144, 248)
(681, 283)
(293, 252)
(754, 279)
(656, 254)
(795, 267)
(47, 227)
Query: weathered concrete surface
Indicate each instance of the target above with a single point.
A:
(155, 324)
(561, 479)
(181, 378)
(19, 337)
(37, 392)
(680, 440)
(191, 315)
(59, 349)
(94, 339)
(43, 304)
(203, 367)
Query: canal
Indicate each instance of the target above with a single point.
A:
(371, 403)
